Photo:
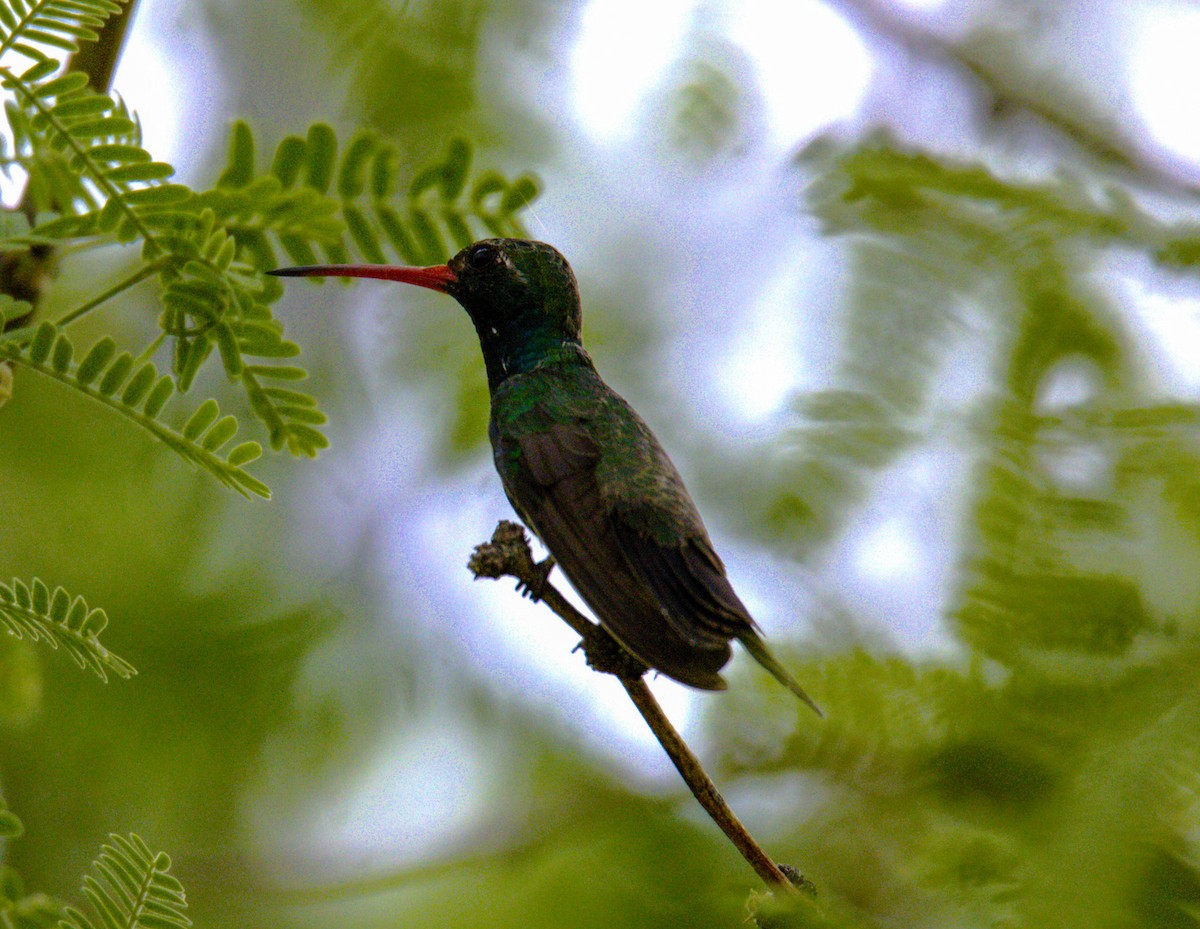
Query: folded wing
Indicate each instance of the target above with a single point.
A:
(555, 490)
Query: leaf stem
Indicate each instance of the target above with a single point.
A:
(148, 352)
(134, 279)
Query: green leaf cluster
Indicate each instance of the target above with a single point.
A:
(139, 393)
(60, 620)
(133, 888)
(322, 205)
(115, 192)
(26, 911)
(1047, 774)
(91, 183)
(29, 27)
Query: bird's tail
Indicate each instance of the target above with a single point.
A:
(759, 652)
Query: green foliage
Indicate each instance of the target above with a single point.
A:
(26, 911)
(58, 620)
(1048, 774)
(1024, 802)
(844, 435)
(407, 65)
(134, 889)
(25, 27)
(318, 205)
(139, 393)
(929, 244)
(313, 198)
(84, 156)
(10, 825)
(93, 181)
(705, 110)
(85, 161)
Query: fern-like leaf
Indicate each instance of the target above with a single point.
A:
(214, 301)
(58, 620)
(10, 824)
(83, 153)
(359, 204)
(133, 889)
(84, 149)
(59, 24)
(139, 393)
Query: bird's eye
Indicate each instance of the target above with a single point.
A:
(481, 256)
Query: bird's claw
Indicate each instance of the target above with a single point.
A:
(605, 654)
(535, 588)
(797, 880)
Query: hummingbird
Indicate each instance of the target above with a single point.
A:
(583, 470)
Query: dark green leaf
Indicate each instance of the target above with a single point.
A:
(244, 454)
(61, 355)
(240, 168)
(352, 174)
(206, 414)
(289, 159)
(455, 169)
(43, 341)
(140, 171)
(115, 376)
(221, 432)
(320, 155)
(139, 385)
(524, 191)
(158, 396)
(95, 360)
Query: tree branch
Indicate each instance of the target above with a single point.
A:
(24, 272)
(508, 554)
(98, 60)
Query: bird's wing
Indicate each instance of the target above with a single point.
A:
(687, 577)
(689, 580)
(557, 493)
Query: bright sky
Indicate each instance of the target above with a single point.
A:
(808, 45)
(1164, 77)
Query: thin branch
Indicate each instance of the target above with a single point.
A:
(134, 279)
(23, 272)
(1085, 125)
(701, 784)
(98, 60)
(508, 554)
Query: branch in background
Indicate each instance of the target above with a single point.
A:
(98, 60)
(24, 272)
(508, 554)
(1078, 120)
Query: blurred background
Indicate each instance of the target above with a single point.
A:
(908, 290)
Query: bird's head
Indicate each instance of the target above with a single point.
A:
(507, 286)
(502, 282)
(521, 295)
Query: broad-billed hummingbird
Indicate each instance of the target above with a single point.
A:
(582, 469)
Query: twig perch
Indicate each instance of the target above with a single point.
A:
(508, 554)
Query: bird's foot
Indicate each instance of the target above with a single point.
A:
(605, 654)
(798, 880)
(535, 587)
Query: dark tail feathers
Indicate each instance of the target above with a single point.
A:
(759, 652)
